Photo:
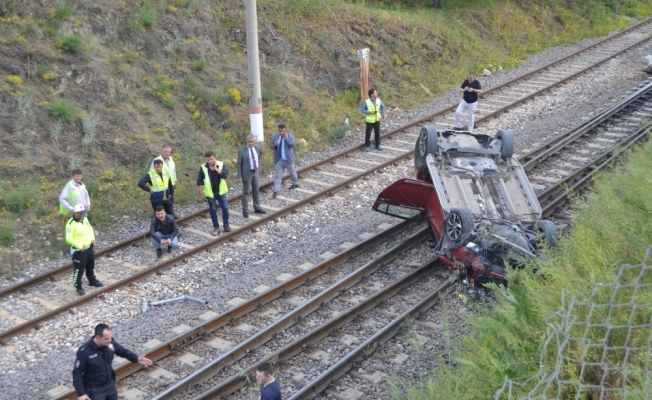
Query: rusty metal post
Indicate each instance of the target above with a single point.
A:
(363, 56)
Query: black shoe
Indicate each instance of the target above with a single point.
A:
(169, 249)
(260, 211)
(294, 186)
(181, 233)
(96, 283)
(274, 195)
(159, 253)
(245, 214)
(176, 216)
(227, 228)
(81, 291)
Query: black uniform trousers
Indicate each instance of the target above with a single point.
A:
(167, 205)
(171, 187)
(83, 260)
(106, 392)
(367, 136)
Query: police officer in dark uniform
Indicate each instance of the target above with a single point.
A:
(93, 375)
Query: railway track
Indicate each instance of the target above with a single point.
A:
(293, 341)
(319, 180)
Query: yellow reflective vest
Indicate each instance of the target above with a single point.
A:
(159, 185)
(373, 118)
(208, 189)
(79, 233)
(169, 167)
(71, 198)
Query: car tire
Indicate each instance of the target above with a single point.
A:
(426, 144)
(507, 137)
(459, 224)
(547, 231)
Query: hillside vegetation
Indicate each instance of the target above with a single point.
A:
(102, 85)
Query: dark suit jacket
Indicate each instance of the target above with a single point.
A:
(244, 167)
(289, 146)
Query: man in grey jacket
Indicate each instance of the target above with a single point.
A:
(283, 145)
(249, 159)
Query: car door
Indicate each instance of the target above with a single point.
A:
(406, 198)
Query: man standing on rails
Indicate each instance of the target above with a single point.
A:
(283, 144)
(470, 88)
(171, 169)
(163, 231)
(212, 188)
(375, 111)
(249, 158)
(74, 193)
(81, 237)
(93, 376)
(157, 183)
(269, 387)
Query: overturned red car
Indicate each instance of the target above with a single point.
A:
(479, 204)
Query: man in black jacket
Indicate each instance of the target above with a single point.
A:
(157, 183)
(93, 376)
(163, 231)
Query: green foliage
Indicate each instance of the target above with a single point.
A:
(350, 98)
(62, 11)
(64, 110)
(337, 133)
(7, 233)
(148, 16)
(72, 44)
(612, 227)
(17, 199)
(200, 65)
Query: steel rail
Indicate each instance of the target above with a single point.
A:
(555, 145)
(263, 188)
(204, 329)
(306, 341)
(289, 319)
(321, 382)
(640, 135)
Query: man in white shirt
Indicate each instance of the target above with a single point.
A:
(74, 193)
(249, 159)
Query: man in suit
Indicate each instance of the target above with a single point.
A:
(249, 158)
(283, 145)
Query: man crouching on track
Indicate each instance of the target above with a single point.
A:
(163, 231)
(81, 237)
(93, 375)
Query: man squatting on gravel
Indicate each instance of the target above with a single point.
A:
(93, 376)
(163, 231)
(81, 238)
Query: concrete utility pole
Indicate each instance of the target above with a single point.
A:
(363, 56)
(255, 98)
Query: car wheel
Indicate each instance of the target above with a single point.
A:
(459, 224)
(426, 144)
(546, 230)
(507, 137)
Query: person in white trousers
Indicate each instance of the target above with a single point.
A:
(470, 88)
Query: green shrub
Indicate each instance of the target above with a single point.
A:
(350, 97)
(17, 199)
(337, 133)
(63, 109)
(148, 17)
(62, 11)
(200, 65)
(72, 44)
(7, 233)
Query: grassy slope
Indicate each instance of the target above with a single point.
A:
(175, 72)
(613, 226)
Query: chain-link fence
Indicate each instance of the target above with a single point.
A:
(600, 346)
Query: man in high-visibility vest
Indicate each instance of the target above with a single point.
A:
(81, 238)
(171, 169)
(374, 109)
(74, 193)
(157, 183)
(211, 181)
